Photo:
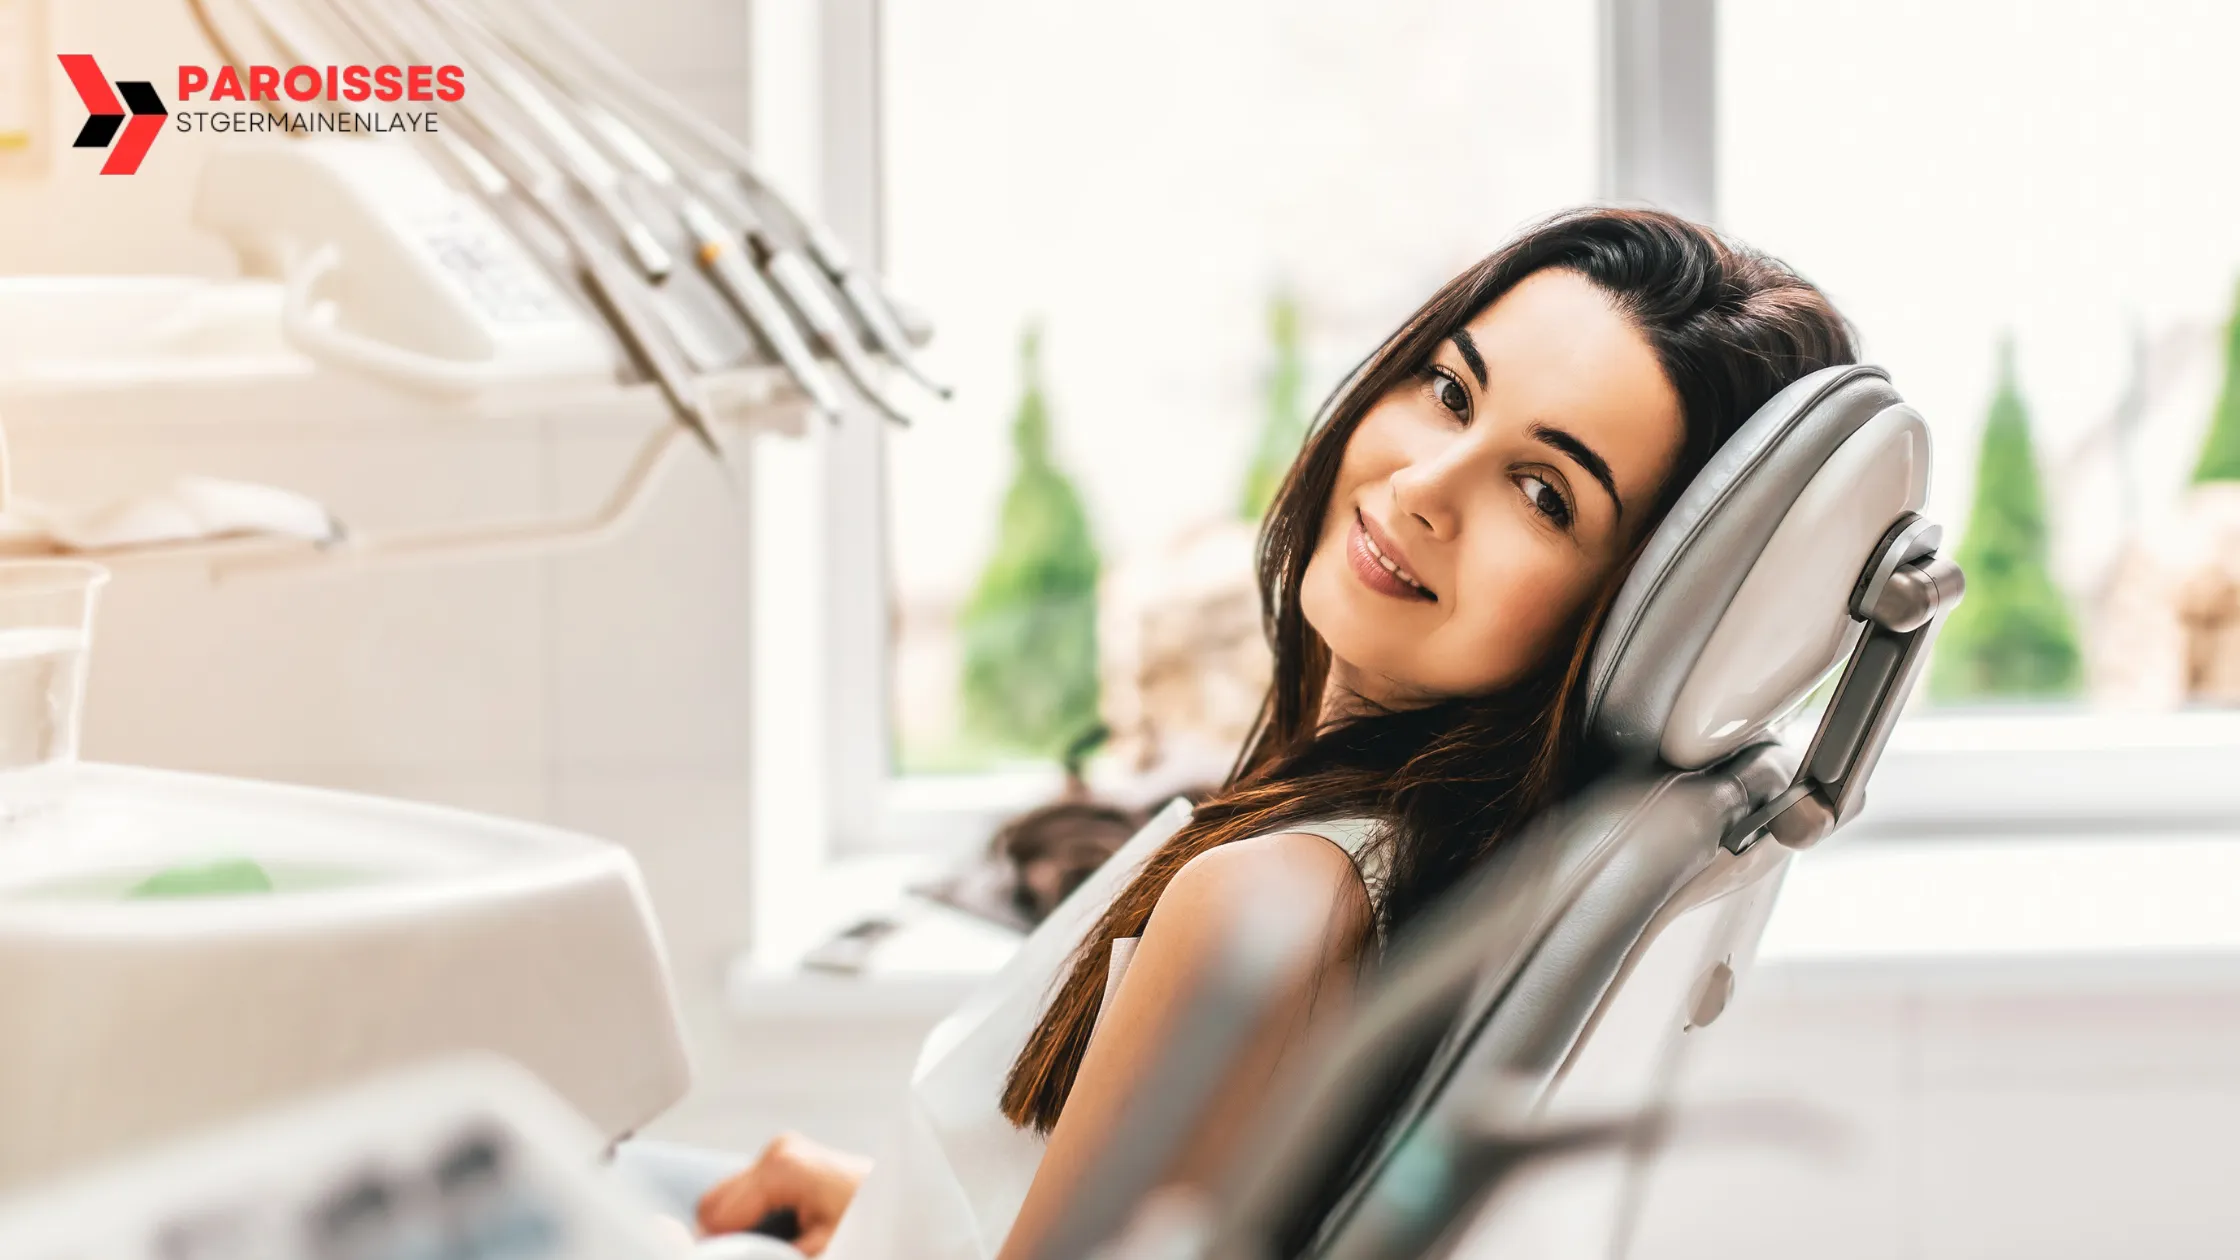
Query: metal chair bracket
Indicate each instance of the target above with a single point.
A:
(1904, 593)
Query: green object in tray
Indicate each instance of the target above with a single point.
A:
(230, 878)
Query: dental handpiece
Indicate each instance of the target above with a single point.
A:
(761, 308)
(718, 251)
(804, 289)
(492, 157)
(598, 178)
(716, 248)
(858, 288)
(863, 293)
(613, 288)
(797, 279)
(610, 287)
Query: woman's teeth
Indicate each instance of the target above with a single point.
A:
(1389, 567)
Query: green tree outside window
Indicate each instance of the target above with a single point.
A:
(2012, 636)
(1283, 420)
(2220, 454)
(1030, 629)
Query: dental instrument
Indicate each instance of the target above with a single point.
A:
(387, 32)
(742, 280)
(549, 111)
(586, 165)
(858, 288)
(650, 331)
(744, 286)
(611, 289)
(717, 251)
(543, 139)
(765, 256)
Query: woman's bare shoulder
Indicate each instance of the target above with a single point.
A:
(1304, 869)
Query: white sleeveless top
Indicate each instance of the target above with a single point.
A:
(951, 1179)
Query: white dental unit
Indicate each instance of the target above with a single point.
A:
(574, 256)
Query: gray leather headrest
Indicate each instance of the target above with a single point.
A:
(1739, 604)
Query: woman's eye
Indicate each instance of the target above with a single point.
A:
(1456, 398)
(1450, 393)
(1546, 499)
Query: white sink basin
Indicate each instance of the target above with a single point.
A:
(393, 932)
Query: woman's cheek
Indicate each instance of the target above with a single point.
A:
(1490, 660)
(1522, 611)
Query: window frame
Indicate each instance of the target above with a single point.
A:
(869, 810)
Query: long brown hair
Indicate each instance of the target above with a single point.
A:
(1448, 781)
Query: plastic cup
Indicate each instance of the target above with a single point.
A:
(46, 627)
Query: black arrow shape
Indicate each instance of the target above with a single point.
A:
(140, 97)
(99, 130)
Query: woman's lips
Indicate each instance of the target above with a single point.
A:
(1376, 567)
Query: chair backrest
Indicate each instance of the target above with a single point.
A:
(1598, 944)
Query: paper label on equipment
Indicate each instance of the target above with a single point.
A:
(507, 287)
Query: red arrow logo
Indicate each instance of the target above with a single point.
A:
(105, 113)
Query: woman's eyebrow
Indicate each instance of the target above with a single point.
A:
(1470, 355)
(1584, 456)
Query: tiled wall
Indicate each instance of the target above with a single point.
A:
(2089, 1115)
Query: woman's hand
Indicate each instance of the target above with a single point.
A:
(793, 1173)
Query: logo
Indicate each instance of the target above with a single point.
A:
(105, 114)
(298, 100)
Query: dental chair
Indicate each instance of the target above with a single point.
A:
(1572, 975)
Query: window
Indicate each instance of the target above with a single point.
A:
(1200, 215)
(2035, 194)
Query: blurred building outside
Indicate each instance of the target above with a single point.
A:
(2165, 610)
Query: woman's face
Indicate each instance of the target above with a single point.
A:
(1481, 503)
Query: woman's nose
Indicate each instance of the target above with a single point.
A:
(1425, 491)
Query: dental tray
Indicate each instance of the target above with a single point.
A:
(392, 932)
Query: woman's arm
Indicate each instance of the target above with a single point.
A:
(1189, 924)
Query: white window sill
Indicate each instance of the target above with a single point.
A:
(2079, 910)
(2022, 848)
(2028, 770)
